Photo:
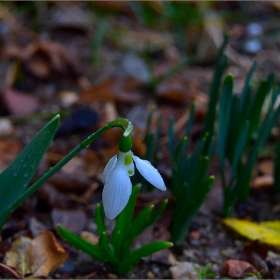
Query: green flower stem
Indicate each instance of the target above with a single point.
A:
(121, 122)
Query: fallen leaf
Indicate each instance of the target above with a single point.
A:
(264, 181)
(8, 151)
(20, 103)
(237, 269)
(123, 90)
(265, 232)
(43, 58)
(72, 220)
(45, 254)
(266, 167)
(17, 258)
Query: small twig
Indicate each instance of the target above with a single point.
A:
(14, 273)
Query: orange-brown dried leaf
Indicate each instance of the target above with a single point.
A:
(42, 58)
(8, 151)
(122, 90)
(264, 181)
(45, 254)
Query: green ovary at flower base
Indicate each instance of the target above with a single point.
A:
(118, 186)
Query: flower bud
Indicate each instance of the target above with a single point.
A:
(125, 144)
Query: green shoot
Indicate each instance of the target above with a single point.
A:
(116, 251)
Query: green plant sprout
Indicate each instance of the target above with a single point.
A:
(117, 250)
(214, 93)
(243, 130)
(15, 178)
(204, 272)
(189, 183)
(276, 186)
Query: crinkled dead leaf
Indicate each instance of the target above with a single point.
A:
(265, 232)
(43, 58)
(45, 254)
(123, 90)
(17, 258)
(20, 103)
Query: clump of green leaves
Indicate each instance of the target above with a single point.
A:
(117, 250)
(189, 183)
(245, 123)
(276, 185)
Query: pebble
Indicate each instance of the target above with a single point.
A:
(6, 127)
(150, 275)
(184, 270)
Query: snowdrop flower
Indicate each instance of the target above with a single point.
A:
(118, 186)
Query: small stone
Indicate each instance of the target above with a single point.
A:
(237, 269)
(6, 127)
(273, 258)
(90, 237)
(150, 275)
(184, 270)
(112, 276)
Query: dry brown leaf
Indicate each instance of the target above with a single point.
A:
(45, 254)
(17, 258)
(8, 151)
(264, 181)
(20, 103)
(122, 90)
(42, 58)
(266, 167)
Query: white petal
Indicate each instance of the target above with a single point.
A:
(129, 165)
(108, 168)
(149, 173)
(117, 190)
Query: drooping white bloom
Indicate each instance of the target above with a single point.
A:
(118, 186)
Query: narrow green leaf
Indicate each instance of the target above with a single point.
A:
(99, 219)
(107, 250)
(16, 177)
(186, 211)
(256, 106)
(171, 137)
(157, 141)
(124, 221)
(189, 126)
(224, 118)
(276, 186)
(179, 150)
(81, 244)
(215, 89)
(246, 90)
(240, 146)
(144, 251)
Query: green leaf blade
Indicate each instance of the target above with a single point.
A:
(16, 177)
